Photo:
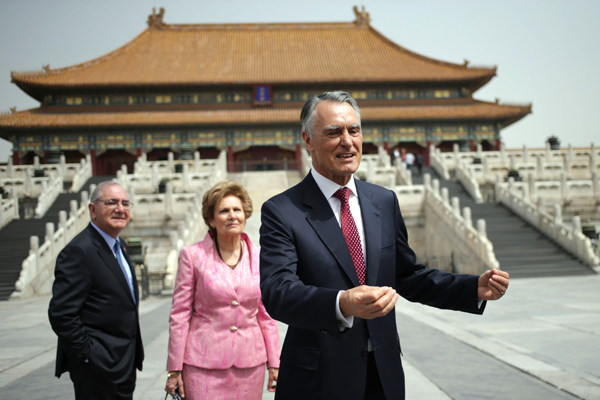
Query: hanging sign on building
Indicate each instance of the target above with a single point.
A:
(262, 95)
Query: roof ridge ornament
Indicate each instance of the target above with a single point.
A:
(155, 21)
(362, 17)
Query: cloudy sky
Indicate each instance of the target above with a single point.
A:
(546, 51)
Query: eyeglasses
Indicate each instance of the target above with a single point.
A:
(114, 203)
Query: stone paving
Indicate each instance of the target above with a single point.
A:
(541, 341)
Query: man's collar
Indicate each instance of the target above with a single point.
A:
(110, 241)
(329, 187)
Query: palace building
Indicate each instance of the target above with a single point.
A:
(240, 88)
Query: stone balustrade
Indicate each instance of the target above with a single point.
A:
(439, 161)
(466, 175)
(9, 208)
(149, 175)
(452, 240)
(49, 193)
(544, 164)
(37, 272)
(79, 173)
(569, 238)
(47, 188)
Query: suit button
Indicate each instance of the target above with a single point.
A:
(235, 303)
(233, 328)
(365, 352)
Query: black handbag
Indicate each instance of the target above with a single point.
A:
(176, 395)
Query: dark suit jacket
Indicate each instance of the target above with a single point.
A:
(92, 310)
(305, 262)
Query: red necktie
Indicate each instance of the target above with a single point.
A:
(351, 233)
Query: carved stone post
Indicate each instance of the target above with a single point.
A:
(34, 247)
(196, 161)
(170, 163)
(467, 217)
(481, 228)
(445, 196)
(595, 184)
(570, 153)
(50, 237)
(169, 199)
(427, 180)
(73, 209)
(531, 185)
(456, 206)
(564, 189)
(525, 154)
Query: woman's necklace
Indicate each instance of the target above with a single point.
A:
(239, 258)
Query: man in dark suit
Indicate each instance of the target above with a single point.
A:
(94, 306)
(335, 260)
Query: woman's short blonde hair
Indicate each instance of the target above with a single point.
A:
(215, 194)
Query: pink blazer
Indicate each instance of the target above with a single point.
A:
(213, 327)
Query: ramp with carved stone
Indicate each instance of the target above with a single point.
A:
(521, 250)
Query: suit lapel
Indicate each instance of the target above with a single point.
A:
(108, 258)
(322, 220)
(371, 216)
(131, 268)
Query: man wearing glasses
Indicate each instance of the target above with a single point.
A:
(94, 305)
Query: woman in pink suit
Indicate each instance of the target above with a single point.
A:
(220, 334)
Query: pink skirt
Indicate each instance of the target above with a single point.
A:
(223, 384)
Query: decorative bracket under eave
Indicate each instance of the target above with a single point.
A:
(362, 17)
(155, 21)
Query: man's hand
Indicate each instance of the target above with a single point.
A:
(492, 285)
(368, 302)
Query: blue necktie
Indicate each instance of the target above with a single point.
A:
(117, 249)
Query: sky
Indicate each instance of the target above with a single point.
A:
(546, 51)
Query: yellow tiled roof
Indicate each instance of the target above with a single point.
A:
(255, 54)
(46, 118)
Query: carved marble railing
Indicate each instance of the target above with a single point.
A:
(37, 272)
(569, 238)
(81, 173)
(465, 174)
(49, 193)
(468, 248)
(439, 161)
(67, 171)
(9, 208)
(149, 175)
(544, 164)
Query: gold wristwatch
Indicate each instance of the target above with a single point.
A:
(171, 373)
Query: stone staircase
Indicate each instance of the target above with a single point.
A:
(521, 250)
(14, 238)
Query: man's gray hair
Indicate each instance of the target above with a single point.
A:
(97, 193)
(308, 110)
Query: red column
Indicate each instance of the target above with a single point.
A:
(15, 157)
(298, 156)
(472, 145)
(498, 144)
(94, 162)
(230, 158)
(43, 160)
(426, 154)
(138, 152)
